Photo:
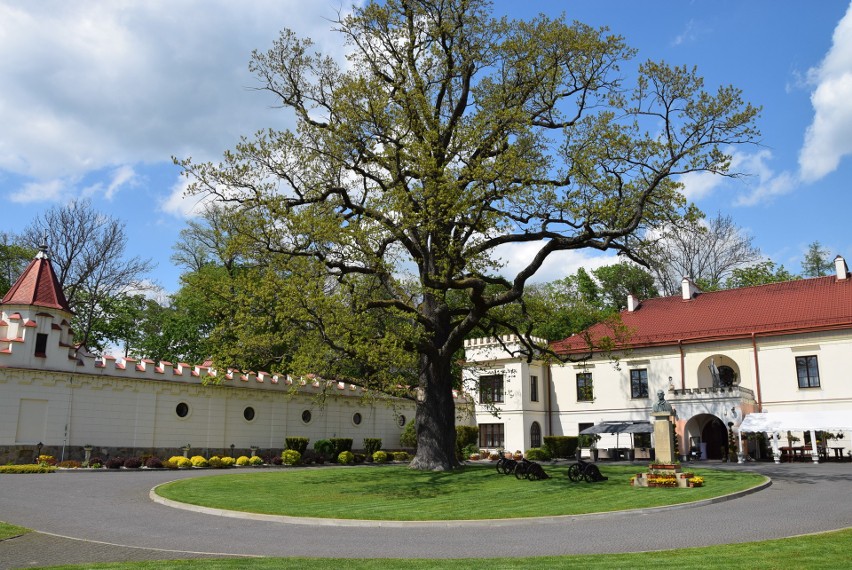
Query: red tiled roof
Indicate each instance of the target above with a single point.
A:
(802, 305)
(37, 286)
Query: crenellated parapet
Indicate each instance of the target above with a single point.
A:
(487, 349)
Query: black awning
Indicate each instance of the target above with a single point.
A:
(619, 427)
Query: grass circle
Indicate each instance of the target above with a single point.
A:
(400, 494)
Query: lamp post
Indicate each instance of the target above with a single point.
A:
(39, 445)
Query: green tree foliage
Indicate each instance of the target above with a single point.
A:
(448, 135)
(621, 279)
(761, 273)
(817, 261)
(14, 257)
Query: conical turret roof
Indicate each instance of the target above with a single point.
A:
(37, 286)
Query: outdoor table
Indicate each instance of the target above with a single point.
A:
(786, 454)
(838, 453)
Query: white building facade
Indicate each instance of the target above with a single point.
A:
(56, 398)
(716, 356)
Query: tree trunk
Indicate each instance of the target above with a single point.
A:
(435, 420)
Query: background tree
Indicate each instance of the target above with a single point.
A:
(761, 273)
(87, 249)
(618, 280)
(707, 252)
(448, 135)
(817, 261)
(14, 257)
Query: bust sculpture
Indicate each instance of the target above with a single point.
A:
(661, 405)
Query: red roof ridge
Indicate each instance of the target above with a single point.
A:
(37, 286)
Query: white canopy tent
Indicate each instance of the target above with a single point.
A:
(774, 423)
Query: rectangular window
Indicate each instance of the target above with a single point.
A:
(808, 371)
(491, 389)
(533, 388)
(41, 344)
(584, 440)
(491, 435)
(585, 393)
(639, 383)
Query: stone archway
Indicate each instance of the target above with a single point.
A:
(709, 432)
(727, 368)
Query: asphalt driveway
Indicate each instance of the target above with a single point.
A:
(108, 516)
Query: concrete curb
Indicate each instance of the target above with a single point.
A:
(528, 521)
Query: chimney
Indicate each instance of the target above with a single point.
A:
(841, 268)
(632, 302)
(688, 288)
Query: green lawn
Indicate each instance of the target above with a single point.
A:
(822, 551)
(10, 531)
(399, 493)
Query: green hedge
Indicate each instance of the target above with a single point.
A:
(372, 445)
(29, 468)
(299, 444)
(561, 445)
(538, 454)
(340, 444)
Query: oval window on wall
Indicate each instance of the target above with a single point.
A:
(306, 416)
(248, 413)
(182, 410)
(356, 418)
(401, 421)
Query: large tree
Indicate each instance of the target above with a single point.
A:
(87, 249)
(448, 135)
(707, 251)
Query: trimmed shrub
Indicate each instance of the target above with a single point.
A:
(227, 462)
(132, 463)
(70, 464)
(154, 463)
(408, 438)
(299, 444)
(256, 460)
(274, 460)
(561, 445)
(401, 456)
(470, 449)
(372, 445)
(537, 454)
(114, 463)
(198, 461)
(346, 457)
(291, 457)
(380, 457)
(48, 460)
(466, 436)
(215, 462)
(324, 447)
(340, 444)
(242, 461)
(29, 468)
(95, 462)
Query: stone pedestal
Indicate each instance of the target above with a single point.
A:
(663, 438)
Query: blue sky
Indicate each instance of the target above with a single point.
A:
(98, 95)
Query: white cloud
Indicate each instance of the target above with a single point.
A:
(560, 264)
(763, 182)
(828, 138)
(96, 84)
(698, 185)
(47, 191)
(178, 203)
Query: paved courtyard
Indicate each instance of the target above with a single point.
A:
(108, 516)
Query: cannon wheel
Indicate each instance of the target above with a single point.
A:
(592, 474)
(574, 473)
